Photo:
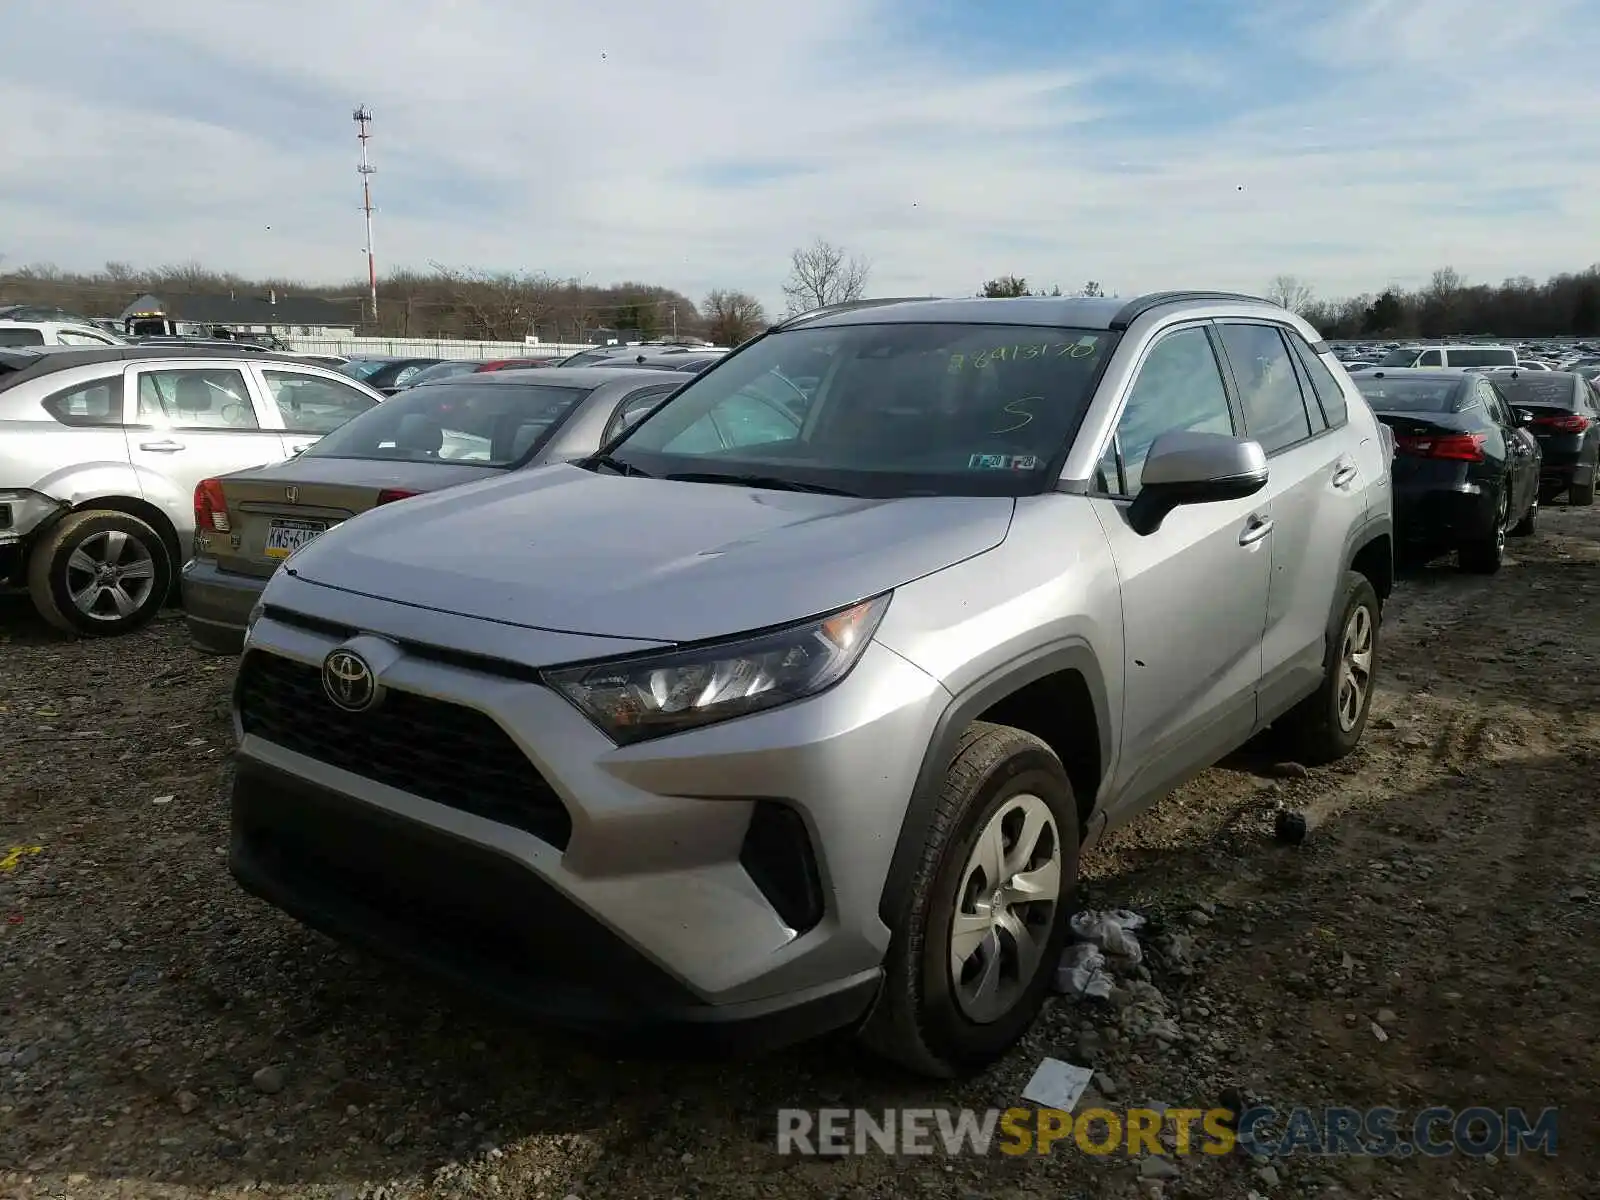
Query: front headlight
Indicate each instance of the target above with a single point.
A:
(634, 699)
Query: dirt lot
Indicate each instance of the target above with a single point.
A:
(163, 1035)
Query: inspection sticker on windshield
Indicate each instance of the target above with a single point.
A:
(1003, 462)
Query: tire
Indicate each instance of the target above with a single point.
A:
(1583, 497)
(122, 603)
(1529, 524)
(1485, 555)
(1317, 731)
(926, 1018)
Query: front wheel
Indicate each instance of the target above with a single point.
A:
(99, 573)
(975, 951)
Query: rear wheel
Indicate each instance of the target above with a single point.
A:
(1485, 555)
(1529, 522)
(1583, 496)
(975, 951)
(1328, 724)
(99, 573)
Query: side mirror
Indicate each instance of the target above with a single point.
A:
(1195, 468)
(1524, 417)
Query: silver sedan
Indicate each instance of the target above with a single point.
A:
(432, 436)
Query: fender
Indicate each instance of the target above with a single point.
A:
(1074, 655)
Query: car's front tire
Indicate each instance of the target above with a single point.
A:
(99, 573)
(975, 950)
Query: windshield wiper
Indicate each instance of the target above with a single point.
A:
(772, 482)
(616, 464)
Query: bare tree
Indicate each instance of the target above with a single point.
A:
(1290, 291)
(500, 306)
(732, 317)
(1002, 286)
(1092, 288)
(821, 274)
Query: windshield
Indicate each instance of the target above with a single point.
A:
(882, 410)
(360, 368)
(1547, 389)
(1410, 395)
(1476, 357)
(490, 424)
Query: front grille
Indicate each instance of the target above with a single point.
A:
(440, 751)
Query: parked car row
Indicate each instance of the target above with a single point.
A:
(1476, 454)
(785, 694)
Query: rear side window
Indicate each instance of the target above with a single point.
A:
(88, 404)
(21, 337)
(1326, 388)
(1430, 358)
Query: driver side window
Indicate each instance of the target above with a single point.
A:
(1179, 388)
(214, 398)
(743, 419)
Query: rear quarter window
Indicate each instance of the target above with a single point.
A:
(21, 337)
(88, 405)
(1328, 392)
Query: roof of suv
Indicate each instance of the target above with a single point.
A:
(1079, 312)
(30, 362)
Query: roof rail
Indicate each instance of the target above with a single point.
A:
(812, 314)
(1139, 305)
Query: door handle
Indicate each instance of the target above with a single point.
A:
(1345, 476)
(167, 447)
(1257, 528)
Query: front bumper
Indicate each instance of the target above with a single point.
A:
(217, 605)
(482, 922)
(647, 871)
(1434, 514)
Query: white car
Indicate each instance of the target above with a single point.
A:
(55, 333)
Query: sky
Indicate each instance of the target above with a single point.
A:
(1145, 144)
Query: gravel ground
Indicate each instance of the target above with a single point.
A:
(162, 1035)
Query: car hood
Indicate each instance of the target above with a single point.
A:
(564, 549)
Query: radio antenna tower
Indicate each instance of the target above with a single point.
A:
(363, 120)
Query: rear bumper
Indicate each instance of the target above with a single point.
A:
(1562, 468)
(489, 926)
(217, 605)
(1442, 515)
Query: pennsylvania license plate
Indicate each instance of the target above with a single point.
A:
(285, 537)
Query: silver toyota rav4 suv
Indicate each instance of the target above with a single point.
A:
(796, 706)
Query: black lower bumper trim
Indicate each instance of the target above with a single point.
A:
(487, 925)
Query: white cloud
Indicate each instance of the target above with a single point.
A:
(541, 137)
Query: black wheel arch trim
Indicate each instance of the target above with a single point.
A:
(1369, 531)
(964, 708)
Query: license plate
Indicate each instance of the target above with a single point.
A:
(285, 537)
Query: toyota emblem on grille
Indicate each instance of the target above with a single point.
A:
(292, 495)
(348, 681)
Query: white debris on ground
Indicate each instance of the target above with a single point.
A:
(1105, 945)
(1107, 963)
